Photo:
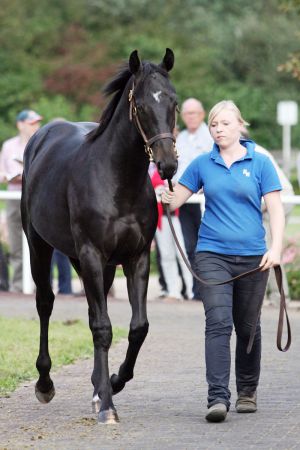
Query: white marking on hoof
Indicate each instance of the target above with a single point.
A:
(96, 403)
(156, 96)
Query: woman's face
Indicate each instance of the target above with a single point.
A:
(225, 128)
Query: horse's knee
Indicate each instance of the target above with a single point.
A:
(44, 302)
(102, 336)
(138, 333)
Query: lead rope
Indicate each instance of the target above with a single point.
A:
(278, 275)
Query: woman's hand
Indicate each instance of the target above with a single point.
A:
(177, 198)
(270, 259)
(167, 197)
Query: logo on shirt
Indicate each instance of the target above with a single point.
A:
(246, 173)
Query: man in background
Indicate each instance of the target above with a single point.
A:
(11, 163)
(191, 142)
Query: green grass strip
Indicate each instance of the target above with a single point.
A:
(19, 344)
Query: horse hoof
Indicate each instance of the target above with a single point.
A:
(108, 417)
(44, 397)
(96, 403)
(116, 384)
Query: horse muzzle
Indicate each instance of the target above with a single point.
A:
(166, 169)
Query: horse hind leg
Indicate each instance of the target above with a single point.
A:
(40, 258)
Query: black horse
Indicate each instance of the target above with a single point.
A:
(86, 192)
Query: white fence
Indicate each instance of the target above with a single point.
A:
(28, 286)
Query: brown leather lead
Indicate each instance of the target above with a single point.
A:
(278, 275)
(282, 311)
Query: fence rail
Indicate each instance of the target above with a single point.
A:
(28, 286)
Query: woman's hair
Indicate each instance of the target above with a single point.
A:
(226, 104)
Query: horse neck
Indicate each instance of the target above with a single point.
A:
(126, 147)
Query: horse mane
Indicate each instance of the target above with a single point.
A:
(116, 86)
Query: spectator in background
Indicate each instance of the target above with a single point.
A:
(64, 272)
(11, 163)
(168, 250)
(272, 292)
(191, 142)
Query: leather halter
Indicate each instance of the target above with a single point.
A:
(148, 142)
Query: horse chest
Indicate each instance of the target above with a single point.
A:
(128, 233)
(126, 239)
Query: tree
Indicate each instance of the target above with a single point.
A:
(60, 53)
(292, 65)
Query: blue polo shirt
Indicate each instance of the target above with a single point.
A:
(232, 221)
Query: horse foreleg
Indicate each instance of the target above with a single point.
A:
(137, 273)
(40, 258)
(108, 278)
(100, 325)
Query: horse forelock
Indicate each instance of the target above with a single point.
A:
(116, 88)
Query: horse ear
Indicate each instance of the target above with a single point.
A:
(134, 62)
(168, 60)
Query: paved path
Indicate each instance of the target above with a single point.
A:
(163, 407)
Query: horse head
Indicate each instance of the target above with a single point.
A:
(153, 105)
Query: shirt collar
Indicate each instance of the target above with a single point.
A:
(247, 143)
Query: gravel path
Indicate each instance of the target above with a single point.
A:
(164, 406)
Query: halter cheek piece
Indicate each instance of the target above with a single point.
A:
(148, 142)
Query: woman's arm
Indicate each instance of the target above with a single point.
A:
(177, 198)
(277, 222)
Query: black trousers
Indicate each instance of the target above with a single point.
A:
(190, 220)
(236, 303)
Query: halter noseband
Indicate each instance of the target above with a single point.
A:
(148, 142)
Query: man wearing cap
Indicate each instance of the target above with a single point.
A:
(11, 163)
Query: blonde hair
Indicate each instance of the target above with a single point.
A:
(226, 104)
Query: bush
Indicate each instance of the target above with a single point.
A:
(293, 278)
(291, 260)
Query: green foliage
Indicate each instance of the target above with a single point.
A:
(60, 107)
(293, 277)
(55, 55)
(295, 183)
(68, 341)
(291, 257)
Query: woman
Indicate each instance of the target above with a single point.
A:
(231, 240)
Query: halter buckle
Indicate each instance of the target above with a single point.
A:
(175, 150)
(149, 152)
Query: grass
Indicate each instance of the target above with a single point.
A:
(68, 342)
